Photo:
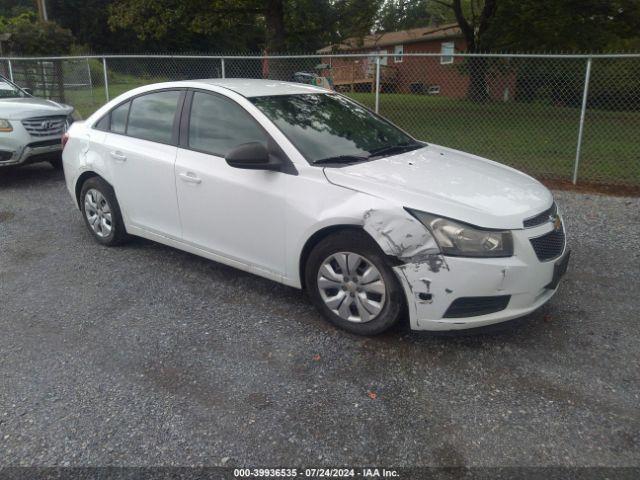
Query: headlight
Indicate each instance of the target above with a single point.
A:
(72, 117)
(5, 126)
(463, 240)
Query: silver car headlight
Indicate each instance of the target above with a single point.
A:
(5, 126)
(464, 240)
(72, 117)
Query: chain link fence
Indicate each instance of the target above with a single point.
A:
(571, 117)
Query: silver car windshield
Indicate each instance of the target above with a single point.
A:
(9, 90)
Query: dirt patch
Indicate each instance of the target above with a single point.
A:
(592, 187)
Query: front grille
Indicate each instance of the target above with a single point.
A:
(5, 156)
(45, 126)
(44, 143)
(541, 218)
(550, 245)
(474, 306)
(43, 157)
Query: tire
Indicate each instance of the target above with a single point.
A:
(98, 201)
(346, 248)
(56, 164)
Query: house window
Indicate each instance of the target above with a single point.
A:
(398, 50)
(446, 49)
(375, 54)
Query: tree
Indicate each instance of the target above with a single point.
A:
(233, 23)
(475, 19)
(87, 19)
(354, 18)
(570, 26)
(564, 25)
(29, 36)
(13, 8)
(308, 24)
(405, 14)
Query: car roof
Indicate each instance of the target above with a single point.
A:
(253, 87)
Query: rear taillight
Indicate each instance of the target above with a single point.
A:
(65, 139)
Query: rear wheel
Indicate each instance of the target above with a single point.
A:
(101, 212)
(350, 281)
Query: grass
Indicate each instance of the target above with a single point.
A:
(88, 100)
(537, 138)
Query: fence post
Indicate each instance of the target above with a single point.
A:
(222, 65)
(585, 93)
(106, 79)
(10, 71)
(44, 79)
(90, 79)
(377, 83)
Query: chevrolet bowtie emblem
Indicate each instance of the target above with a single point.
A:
(557, 223)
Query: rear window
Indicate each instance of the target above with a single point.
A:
(103, 123)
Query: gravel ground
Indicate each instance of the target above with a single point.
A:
(145, 355)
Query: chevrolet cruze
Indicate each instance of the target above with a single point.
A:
(306, 187)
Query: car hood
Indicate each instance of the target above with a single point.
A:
(27, 107)
(449, 183)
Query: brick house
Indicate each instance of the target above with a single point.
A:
(440, 75)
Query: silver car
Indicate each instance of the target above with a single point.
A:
(31, 128)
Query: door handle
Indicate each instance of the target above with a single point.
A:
(189, 177)
(118, 156)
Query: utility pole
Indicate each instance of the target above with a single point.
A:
(42, 10)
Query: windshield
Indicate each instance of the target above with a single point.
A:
(330, 128)
(9, 90)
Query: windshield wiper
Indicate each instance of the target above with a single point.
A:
(342, 159)
(391, 149)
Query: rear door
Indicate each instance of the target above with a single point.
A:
(141, 150)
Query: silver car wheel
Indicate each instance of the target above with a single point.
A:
(98, 213)
(352, 287)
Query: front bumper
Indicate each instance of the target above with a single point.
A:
(31, 154)
(432, 285)
(19, 148)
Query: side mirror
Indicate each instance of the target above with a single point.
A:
(28, 91)
(252, 156)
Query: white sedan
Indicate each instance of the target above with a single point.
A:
(306, 187)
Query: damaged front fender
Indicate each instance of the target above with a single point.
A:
(400, 235)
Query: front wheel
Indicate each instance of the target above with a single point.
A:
(349, 280)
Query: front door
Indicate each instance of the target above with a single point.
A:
(235, 213)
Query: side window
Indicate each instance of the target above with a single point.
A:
(103, 123)
(119, 118)
(217, 125)
(151, 117)
(398, 50)
(447, 50)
